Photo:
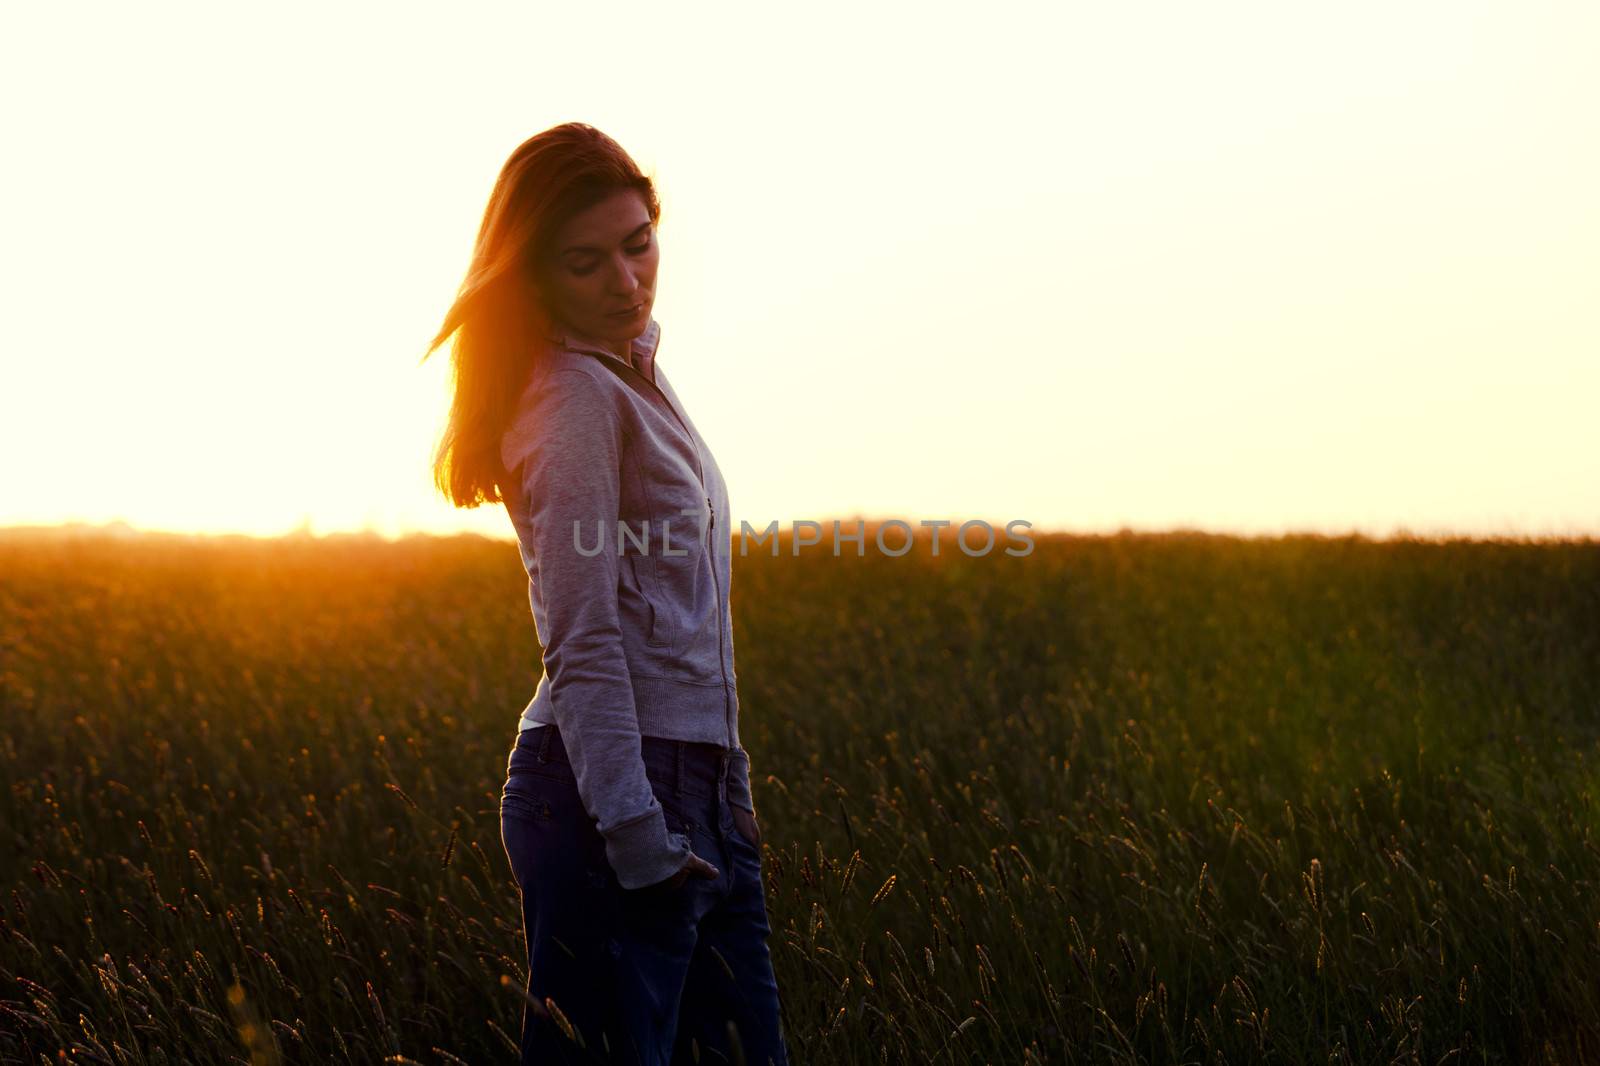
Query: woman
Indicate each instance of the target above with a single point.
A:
(626, 814)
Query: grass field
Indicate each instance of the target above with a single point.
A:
(1178, 798)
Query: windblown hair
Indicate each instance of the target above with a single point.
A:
(499, 320)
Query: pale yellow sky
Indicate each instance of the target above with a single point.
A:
(1239, 267)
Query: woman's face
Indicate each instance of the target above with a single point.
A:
(603, 261)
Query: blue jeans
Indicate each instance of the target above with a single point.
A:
(646, 976)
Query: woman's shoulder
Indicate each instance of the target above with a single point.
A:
(568, 381)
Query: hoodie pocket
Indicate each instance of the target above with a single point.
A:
(657, 626)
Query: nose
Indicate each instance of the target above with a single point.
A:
(625, 282)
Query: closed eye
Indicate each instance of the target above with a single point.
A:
(631, 250)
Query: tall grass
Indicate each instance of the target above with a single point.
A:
(1140, 798)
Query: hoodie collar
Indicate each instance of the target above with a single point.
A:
(644, 346)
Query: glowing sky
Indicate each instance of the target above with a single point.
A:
(1239, 267)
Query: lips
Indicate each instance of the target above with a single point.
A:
(628, 312)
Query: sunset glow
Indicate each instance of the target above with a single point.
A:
(1247, 268)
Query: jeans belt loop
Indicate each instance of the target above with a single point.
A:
(544, 742)
(677, 778)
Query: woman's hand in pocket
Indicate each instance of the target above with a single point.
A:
(695, 865)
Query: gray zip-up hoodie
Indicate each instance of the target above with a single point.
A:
(621, 518)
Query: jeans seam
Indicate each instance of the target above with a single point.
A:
(542, 774)
(517, 805)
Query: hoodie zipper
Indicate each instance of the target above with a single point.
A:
(700, 470)
(716, 585)
(722, 662)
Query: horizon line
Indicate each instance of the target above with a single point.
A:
(305, 531)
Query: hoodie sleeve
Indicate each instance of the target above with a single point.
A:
(571, 477)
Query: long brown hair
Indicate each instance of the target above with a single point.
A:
(498, 320)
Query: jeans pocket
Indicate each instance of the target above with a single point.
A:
(741, 818)
(548, 836)
(539, 797)
(677, 817)
(524, 809)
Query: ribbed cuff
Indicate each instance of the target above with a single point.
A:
(644, 851)
(739, 781)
